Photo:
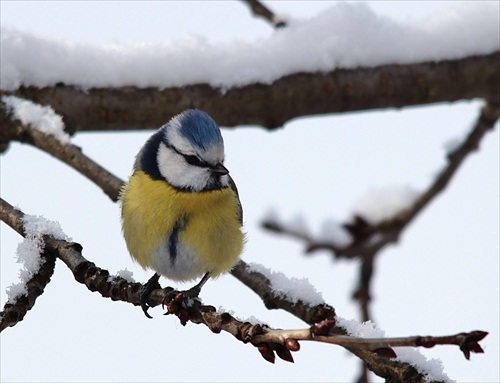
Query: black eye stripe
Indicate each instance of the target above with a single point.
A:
(190, 159)
(195, 161)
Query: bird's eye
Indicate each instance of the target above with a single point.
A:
(195, 161)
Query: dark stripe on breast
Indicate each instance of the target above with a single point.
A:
(174, 239)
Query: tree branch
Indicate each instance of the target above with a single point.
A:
(268, 341)
(14, 130)
(117, 288)
(368, 238)
(272, 105)
(14, 312)
(258, 283)
(259, 9)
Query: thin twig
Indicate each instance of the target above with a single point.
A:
(259, 9)
(362, 292)
(372, 238)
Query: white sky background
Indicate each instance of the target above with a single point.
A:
(442, 278)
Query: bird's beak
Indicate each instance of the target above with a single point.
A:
(219, 169)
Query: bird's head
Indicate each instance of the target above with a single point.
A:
(187, 152)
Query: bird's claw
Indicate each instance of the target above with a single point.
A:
(147, 288)
(179, 302)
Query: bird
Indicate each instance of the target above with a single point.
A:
(181, 213)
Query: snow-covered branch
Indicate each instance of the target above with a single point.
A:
(34, 281)
(272, 105)
(261, 285)
(368, 238)
(14, 130)
(376, 352)
(84, 271)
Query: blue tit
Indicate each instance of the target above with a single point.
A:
(181, 213)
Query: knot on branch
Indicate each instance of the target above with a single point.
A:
(322, 328)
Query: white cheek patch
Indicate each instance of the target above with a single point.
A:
(174, 168)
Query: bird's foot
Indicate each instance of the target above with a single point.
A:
(147, 288)
(179, 302)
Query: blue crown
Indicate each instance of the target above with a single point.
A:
(199, 128)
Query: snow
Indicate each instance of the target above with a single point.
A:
(294, 289)
(251, 319)
(383, 203)
(432, 368)
(254, 321)
(366, 329)
(39, 117)
(347, 35)
(29, 250)
(36, 226)
(297, 224)
(125, 274)
(333, 232)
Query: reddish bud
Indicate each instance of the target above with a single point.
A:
(266, 352)
(466, 352)
(478, 335)
(292, 344)
(284, 353)
(470, 343)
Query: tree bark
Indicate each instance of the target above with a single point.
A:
(272, 105)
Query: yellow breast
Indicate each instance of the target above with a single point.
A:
(150, 209)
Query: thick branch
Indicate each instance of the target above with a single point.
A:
(272, 105)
